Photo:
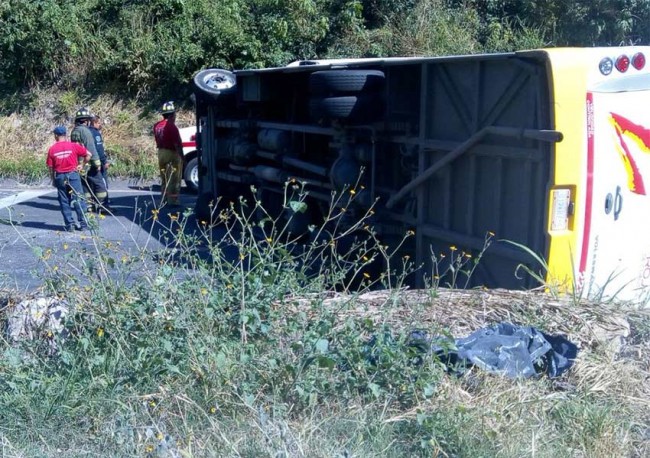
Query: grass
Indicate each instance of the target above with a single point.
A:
(232, 342)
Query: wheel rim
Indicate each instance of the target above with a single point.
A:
(194, 177)
(218, 81)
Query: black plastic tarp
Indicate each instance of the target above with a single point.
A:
(506, 349)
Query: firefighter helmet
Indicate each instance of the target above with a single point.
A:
(168, 108)
(82, 114)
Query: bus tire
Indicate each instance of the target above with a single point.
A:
(339, 82)
(215, 83)
(351, 108)
(191, 174)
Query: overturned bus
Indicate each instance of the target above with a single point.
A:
(548, 149)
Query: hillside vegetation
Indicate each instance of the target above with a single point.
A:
(156, 46)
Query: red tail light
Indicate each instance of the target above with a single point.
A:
(622, 63)
(638, 61)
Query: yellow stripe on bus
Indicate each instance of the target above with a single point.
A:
(568, 91)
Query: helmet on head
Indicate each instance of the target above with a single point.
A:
(82, 114)
(168, 108)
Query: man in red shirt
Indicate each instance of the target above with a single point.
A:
(63, 160)
(170, 154)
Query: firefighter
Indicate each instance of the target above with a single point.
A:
(95, 127)
(170, 154)
(64, 161)
(92, 180)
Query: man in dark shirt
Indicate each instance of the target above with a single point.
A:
(63, 160)
(92, 180)
(95, 128)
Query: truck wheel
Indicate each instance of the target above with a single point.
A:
(215, 82)
(335, 82)
(191, 174)
(353, 108)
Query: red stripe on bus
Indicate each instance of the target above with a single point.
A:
(635, 130)
(186, 144)
(589, 189)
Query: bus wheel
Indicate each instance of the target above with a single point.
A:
(215, 82)
(351, 108)
(335, 82)
(191, 174)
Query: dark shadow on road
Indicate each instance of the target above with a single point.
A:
(43, 206)
(163, 222)
(39, 225)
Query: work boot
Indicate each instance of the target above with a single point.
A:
(70, 228)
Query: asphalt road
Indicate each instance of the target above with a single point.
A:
(33, 242)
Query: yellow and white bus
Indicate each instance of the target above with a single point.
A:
(547, 148)
(601, 169)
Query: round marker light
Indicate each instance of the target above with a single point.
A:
(638, 61)
(622, 63)
(606, 66)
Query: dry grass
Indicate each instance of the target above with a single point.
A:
(462, 311)
(598, 409)
(612, 370)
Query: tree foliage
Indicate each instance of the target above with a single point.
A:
(158, 44)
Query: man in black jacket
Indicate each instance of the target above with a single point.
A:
(92, 179)
(95, 128)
